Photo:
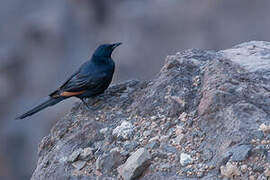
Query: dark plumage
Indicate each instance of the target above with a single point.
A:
(92, 79)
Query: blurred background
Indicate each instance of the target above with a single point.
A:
(42, 42)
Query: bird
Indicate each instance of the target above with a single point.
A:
(91, 79)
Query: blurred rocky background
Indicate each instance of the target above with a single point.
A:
(42, 42)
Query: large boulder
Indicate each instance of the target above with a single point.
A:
(200, 117)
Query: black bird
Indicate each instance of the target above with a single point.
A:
(92, 79)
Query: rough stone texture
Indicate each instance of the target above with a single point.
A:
(240, 153)
(185, 159)
(124, 131)
(209, 105)
(135, 164)
(108, 162)
(230, 170)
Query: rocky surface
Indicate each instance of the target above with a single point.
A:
(205, 115)
(135, 164)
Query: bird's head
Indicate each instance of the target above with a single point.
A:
(105, 50)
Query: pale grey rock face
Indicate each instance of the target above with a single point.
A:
(253, 56)
(204, 113)
(135, 164)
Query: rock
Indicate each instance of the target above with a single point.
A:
(135, 165)
(180, 139)
(160, 176)
(199, 174)
(183, 117)
(179, 130)
(153, 144)
(86, 153)
(240, 153)
(109, 161)
(244, 168)
(262, 177)
(206, 104)
(164, 139)
(79, 164)
(258, 169)
(169, 149)
(165, 166)
(258, 135)
(260, 150)
(267, 172)
(98, 152)
(185, 159)
(268, 137)
(160, 155)
(250, 55)
(265, 128)
(124, 131)
(156, 138)
(230, 170)
(207, 154)
(130, 145)
(74, 155)
(268, 157)
(147, 133)
(104, 130)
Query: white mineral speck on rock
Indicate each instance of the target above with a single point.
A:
(104, 130)
(124, 131)
(183, 117)
(185, 159)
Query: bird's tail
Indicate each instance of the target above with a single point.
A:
(48, 101)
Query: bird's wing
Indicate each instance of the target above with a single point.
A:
(78, 84)
(56, 92)
(72, 76)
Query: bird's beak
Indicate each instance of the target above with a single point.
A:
(116, 45)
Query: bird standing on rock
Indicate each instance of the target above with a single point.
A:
(92, 79)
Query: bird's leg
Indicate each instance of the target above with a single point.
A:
(85, 103)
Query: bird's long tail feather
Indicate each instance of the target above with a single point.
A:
(48, 101)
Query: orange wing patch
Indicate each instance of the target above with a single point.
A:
(69, 94)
